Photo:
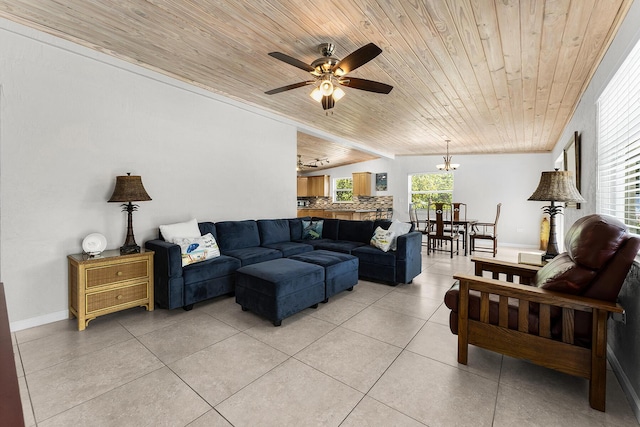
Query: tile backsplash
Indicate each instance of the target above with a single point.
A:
(361, 202)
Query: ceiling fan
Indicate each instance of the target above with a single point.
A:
(329, 73)
(313, 164)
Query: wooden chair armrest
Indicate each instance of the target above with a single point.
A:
(525, 272)
(533, 294)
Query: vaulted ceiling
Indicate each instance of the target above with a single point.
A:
(492, 76)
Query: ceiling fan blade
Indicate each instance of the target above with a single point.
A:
(289, 87)
(368, 85)
(292, 61)
(356, 59)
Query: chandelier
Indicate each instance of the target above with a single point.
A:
(447, 165)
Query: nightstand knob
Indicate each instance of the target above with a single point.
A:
(119, 297)
(119, 273)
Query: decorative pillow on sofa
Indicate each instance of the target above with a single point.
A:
(312, 230)
(398, 228)
(172, 232)
(196, 249)
(382, 239)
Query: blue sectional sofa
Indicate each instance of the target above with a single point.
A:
(248, 242)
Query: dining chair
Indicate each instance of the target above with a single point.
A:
(485, 231)
(441, 230)
(413, 218)
(459, 211)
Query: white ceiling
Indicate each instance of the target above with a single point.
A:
(493, 76)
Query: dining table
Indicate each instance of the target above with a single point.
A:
(465, 223)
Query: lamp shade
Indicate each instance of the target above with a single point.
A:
(557, 186)
(129, 189)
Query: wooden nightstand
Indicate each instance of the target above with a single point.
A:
(108, 283)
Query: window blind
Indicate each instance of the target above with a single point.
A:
(618, 184)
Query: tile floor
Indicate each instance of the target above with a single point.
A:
(377, 356)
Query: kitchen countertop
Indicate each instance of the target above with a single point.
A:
(350, 210)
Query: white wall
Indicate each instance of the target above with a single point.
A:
(482, 181)
(72, 119)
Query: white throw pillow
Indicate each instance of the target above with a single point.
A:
(398, 228)
(382, 239)
(196, 249)
(172, 232)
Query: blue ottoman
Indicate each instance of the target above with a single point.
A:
(279, 288)
(340, 270)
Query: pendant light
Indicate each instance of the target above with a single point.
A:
(447, 165)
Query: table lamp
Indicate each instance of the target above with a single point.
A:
(555, 186)
(129, 189)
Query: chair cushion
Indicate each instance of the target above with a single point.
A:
(594, 239)
(237, 235)
(355, 231)
(372, 255)
(330, 228)
(290, 248)
(295, 228)
(273, 231)
(338, 246)
(564, 275)
(591, 243)
(208, 227)
(451, 301)
(254, 255)
(210, 269)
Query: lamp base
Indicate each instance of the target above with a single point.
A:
(129, 249)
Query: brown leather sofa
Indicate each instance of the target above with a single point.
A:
(554, 316)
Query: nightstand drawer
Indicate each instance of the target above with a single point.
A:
(115, 297)
(116, 273)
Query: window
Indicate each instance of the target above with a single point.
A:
(437, 187)
(618, 191)
(343, 190)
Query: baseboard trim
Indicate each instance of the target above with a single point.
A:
(628, 389)
(40, 320)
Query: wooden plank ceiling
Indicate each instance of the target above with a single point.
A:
(493, 76)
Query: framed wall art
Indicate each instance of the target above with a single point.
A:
(571, 160)
(381, 181)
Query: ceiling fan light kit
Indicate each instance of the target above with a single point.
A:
(328, 73)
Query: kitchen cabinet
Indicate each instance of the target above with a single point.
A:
(303, 186)
(318, 186)
(358, 215)
(320, 213)
(362, 183)
(342, 214)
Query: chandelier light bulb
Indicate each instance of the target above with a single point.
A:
(338, 94)
(316, 94)
(326, 87)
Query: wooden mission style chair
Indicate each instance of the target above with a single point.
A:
(441, 230)
(556, 316)
(413, 218)
(459, 211)
(485, 231)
